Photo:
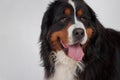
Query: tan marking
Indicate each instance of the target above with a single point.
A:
(62, 35)
(79, 12)
(67, 11)
(89, 32)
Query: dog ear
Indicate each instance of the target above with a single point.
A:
(92, 14)
(44, 26)
(45, 47)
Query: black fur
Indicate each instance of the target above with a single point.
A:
(102, 55)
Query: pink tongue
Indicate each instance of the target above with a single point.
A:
(75, 52)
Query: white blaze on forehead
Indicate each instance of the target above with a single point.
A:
(78, 24)
(73, 5)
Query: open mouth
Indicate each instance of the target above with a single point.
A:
(74, 51)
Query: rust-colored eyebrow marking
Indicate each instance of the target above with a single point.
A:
(80, 12)
(67, 11)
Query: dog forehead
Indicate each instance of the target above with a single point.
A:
(71, 2)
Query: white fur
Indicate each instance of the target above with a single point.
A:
(65, 67)
(78, 24)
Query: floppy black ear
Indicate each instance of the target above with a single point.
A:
(46, 22)
(45, 47)
(92, 14)
(44, 26)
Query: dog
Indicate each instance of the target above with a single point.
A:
(76, 46)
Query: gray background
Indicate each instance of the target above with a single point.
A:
(19, 32)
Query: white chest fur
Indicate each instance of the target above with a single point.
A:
(63, 72)
(65, 67)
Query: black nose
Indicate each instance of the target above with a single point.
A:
(78, 33)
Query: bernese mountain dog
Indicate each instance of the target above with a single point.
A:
(76, 46)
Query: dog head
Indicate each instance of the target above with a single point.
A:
(68, 25)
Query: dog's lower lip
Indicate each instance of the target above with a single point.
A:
(65, 49)
(63, 44)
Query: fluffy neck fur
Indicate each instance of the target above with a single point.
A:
(65, 67)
